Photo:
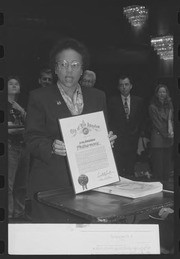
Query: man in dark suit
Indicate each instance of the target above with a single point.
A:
(125, 118)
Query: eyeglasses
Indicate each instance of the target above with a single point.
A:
(63, 64)
(45, 79)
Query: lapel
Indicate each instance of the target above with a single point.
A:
(86, 100)
(132, 107)
(59, 103)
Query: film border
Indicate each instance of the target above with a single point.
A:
(3, 138)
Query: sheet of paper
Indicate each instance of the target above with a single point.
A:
(83, 239)
(131, 189)
(89, 152)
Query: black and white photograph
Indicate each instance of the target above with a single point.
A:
(66, 61)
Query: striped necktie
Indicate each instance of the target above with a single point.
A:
(126, 108)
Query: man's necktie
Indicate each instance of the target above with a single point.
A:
(126, 108)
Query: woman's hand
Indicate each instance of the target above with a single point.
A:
(16, 106)
(170, 130)
(58, 148)
(112, 138)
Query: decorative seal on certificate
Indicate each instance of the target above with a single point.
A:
(85, 131)
(83, 180)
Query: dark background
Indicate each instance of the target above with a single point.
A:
(115, 47)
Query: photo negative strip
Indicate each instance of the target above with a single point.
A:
(62, 59)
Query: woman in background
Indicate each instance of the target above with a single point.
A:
(161, 114)
(17, 156)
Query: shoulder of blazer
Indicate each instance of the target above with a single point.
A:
(137, 98)
(43, 92)
(136, 101)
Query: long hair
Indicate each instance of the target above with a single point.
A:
(167, 102)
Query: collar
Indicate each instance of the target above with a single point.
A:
(123, 97)
(76, 92)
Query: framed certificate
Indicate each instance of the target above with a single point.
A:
(89, 151)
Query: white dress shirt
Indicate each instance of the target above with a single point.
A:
(128, 101)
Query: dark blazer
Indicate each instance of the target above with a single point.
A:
(127, 131)
(45, 107)
(159, 133)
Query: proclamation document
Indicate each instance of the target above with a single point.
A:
(89, 151)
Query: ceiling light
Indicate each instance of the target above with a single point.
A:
(136, 15)
(164, 46)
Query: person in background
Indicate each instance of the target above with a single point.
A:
(45, 77)
(63, 99)
(161, 114)
(17, 154)
(125, 118)
(88, 79)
